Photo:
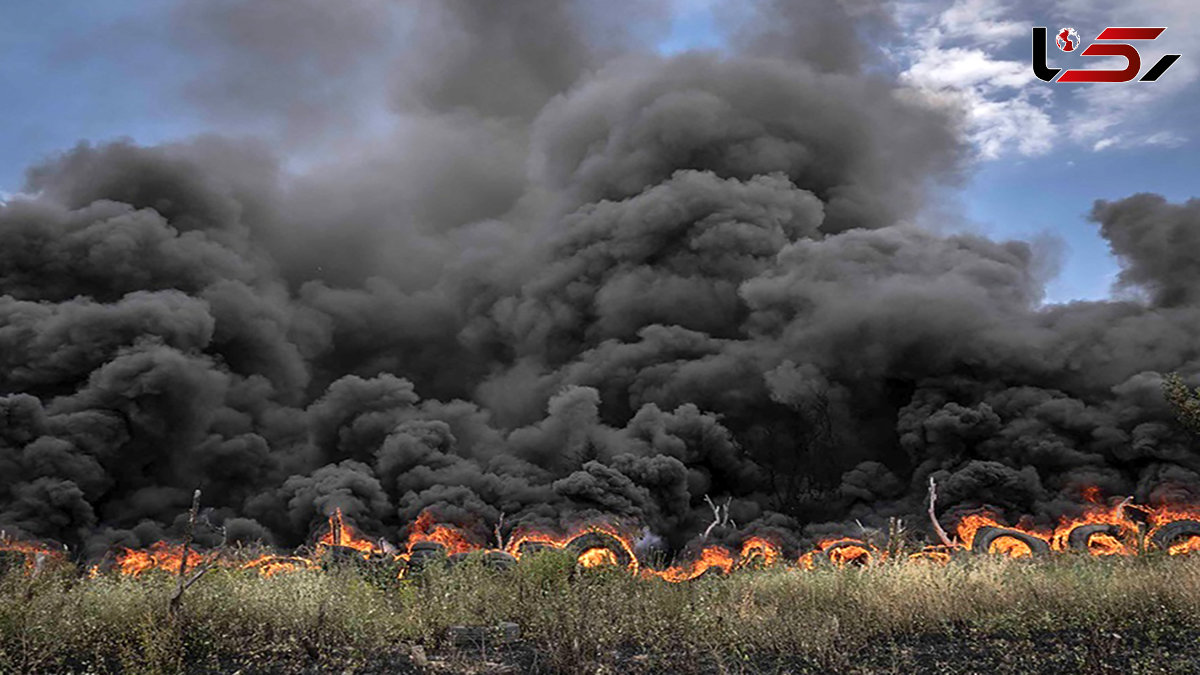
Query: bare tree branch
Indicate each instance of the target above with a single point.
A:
(720, 515)
(937, 527)
(182, 584)
(500, 543)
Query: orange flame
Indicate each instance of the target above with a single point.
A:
(1122, 540)
(425, 528)
(1100, 544)
(268, 566)
(854, 553)
(1184, 546)
(161, 555)
(341, 534)
(939, 554)
(712, 556)
(758, 548)
(970, 525)
(1161, 516)
(30, 549)
(559, 541)
(598, 557)
(1010, 548)
(1106, 545)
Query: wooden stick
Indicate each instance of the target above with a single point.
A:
(937, 527)
(182, 585)
(500, 543)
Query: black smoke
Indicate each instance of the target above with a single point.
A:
(572, 279)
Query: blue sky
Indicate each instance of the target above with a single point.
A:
(75, 69)
(67, 77)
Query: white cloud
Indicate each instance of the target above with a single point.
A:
(1161, 139)
(1002, 127)
(993, 94)
(1165, 139)
(980, 21)
(960, 67)
(956, 57)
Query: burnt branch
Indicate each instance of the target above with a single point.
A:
(937, 527)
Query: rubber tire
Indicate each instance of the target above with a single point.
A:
(1078, 538)
(827, 556)
(951, 551)
(501, 561)
(755, 561)
(1166, 535)
(532, 547)
(424, 553)
(341, 556)
(592, 540)
(984, 537)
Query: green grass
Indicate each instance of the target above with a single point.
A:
(573, 621)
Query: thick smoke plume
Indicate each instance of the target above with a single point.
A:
(569, 278)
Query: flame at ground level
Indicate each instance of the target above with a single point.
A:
(1010, 548)
(1110, 530)
(712, 557)
(597, 557)
(425, 528)
(339, 534)
(30, 550)
(160, 556)
(269, 565)
(844, 552)
(760, 550)
(1184, 546)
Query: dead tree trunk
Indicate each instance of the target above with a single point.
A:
(182, 584)
(720, 515)
(937, 527)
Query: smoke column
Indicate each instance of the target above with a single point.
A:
(568, 278)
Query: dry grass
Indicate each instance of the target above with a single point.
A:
(576, 621)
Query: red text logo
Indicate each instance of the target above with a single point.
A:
(1112, 41)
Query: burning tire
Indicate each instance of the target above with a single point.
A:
(986, 536)
(341, 555)
(1077, 539)
(1172, 532)
(597, 548)
(849, 552)
(531, 547)
(1112, 539)
(939, 554)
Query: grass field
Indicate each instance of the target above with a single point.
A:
(977, 614)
